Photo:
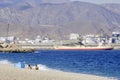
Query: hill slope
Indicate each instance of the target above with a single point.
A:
(57, 20)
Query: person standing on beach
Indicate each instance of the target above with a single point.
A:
(29, 67)
(36, 67)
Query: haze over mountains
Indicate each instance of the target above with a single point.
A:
(29, 18)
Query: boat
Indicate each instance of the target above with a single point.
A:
(78, 47)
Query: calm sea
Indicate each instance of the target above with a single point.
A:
(103, 63)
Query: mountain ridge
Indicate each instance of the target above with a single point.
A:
(58, 20)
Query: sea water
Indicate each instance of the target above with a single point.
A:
(103, 63)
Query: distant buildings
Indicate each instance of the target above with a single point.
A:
(115, 37)
(8, 39)
(91, 39)
(74, 38)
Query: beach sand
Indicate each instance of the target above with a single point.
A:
(9, 72)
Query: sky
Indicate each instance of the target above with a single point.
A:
(61, 1)
(100, 1)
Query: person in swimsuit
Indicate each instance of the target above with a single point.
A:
(29, 66)
(36, 67)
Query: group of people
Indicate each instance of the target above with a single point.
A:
(30, 67)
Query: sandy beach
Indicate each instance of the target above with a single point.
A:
(9, 72)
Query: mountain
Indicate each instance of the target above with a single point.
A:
(113, 7)
(57, 20)
(7, 3)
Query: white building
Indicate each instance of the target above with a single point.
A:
(10, 39)
(74, 36)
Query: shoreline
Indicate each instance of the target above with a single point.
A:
(9, 72)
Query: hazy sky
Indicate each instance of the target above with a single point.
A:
(99, 1)
(61, 1)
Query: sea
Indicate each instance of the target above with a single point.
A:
(94, 62)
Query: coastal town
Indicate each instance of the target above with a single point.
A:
(60, 39)
(11, 43)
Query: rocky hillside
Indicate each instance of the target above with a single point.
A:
(56, 20)
(113, 7)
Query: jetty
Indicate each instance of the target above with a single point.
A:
(12, 48)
